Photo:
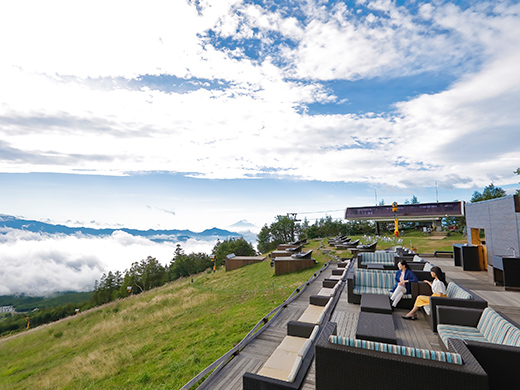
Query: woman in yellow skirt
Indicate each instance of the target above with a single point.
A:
(438, 290)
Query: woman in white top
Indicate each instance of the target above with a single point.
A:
(438, 289)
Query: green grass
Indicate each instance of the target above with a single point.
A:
(157, 340)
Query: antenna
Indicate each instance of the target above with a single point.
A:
(436, 192)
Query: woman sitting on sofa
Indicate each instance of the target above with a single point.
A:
(438, 290)
(403, 277)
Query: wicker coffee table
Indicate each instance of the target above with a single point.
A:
(376, 303)
(376, 327)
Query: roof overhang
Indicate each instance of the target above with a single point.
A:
(407, 212)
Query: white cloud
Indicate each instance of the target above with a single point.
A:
(39, 264)
(67, 104)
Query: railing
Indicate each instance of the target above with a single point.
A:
(218, 364)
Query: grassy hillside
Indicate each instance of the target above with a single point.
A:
(156, 340)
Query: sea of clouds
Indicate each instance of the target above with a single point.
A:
(40, 263)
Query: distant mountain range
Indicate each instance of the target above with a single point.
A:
(8, 221)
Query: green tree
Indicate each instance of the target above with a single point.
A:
(238, 246)
(106, 290)
(183, 265)
(326, 227)
(413, 200)
(265, 240)
(490, 192)
(284, 229)
(143, 275)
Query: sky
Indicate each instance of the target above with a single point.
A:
(194, 114)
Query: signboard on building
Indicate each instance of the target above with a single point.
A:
(407, 212)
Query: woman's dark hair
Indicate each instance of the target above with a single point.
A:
(440, 274)
(404, 263)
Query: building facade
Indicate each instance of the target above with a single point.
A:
(496, 224)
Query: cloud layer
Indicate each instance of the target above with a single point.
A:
(223, 90)
(40, 264)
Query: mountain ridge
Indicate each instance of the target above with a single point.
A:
(157, 235)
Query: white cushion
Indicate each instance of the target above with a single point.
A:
(281, 360)
(325, 291)
(314, 333)
(305, 347)
(292, 343)
(312, 314)
(295, 369)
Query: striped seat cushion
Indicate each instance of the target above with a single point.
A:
(512, 337)
(376, 290)
(379, 257)
(440, 356)
(455, 291)
(384, 279)
(446, 331)
(493, 326)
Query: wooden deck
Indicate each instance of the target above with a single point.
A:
(410, 333)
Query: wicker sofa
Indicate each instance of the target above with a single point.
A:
(373, 281)
(500, 362)
(484, 325)
(386, 259)
(492, 338)
(456, 296)
(287, 366)
(357, 364)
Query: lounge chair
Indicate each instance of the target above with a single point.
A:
(368, 247)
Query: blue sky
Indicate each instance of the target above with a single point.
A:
(194, 114)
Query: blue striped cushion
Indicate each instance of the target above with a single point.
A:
(376, 290)
(499, 331)
(446, 331)
(439, 356)
(512, 337)
(374, 278)
(487, 321)
(455, 291)
(378, 257)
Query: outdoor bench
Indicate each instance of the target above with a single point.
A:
(387, 259)
(345, 363)
(288, 364)
(456, 295)
(437, 253)
(492, 338)
(485, 325)
(373, 281)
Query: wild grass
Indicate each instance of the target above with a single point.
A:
(156, 340)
